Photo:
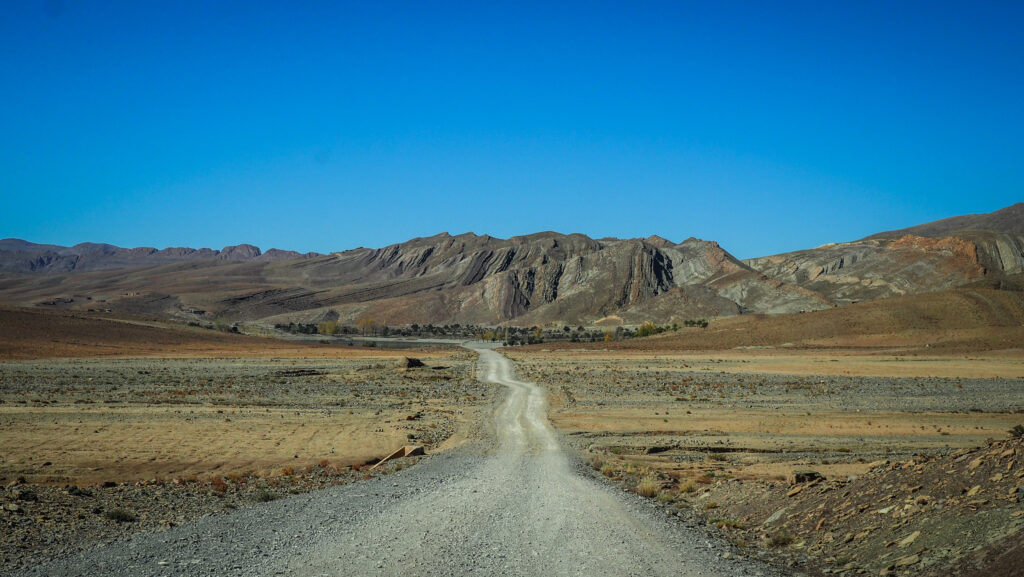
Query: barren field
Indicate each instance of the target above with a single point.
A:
(721, 433)
(174, 438)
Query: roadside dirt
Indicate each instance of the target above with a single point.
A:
(168, 440)
(720, 436)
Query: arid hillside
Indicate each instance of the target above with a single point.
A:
(538, 279)
(41, 334)
(949, 321)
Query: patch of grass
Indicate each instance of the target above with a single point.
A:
(121, 516)
(687, 486)
(710, 506)
(608, 470)
(286, 471)
(649, 487)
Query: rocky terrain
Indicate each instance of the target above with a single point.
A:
(904, 475)
(22, 256)
(535, 279)
(96, 449)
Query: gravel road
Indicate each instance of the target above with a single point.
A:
(512, 504)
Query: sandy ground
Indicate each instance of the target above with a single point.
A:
(758, 414)
(94, 420)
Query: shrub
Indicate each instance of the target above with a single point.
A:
(265, 496)
(648, 487)
(780, 538)
(688, 486)
(121, 516)
(289, 470)
(1017, 431)
(219, 485)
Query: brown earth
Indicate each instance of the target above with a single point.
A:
(962, 321)
(41, 334)
(719, 433)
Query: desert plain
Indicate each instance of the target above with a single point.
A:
(111, 426)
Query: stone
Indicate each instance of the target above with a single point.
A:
(974, 491)
(909, 539)
(774, 516)
(800, 476)
(908, 560)
(411, 363)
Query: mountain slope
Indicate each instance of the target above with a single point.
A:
(526, 280)
(987, 248)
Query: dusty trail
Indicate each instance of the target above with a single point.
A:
(519, 508)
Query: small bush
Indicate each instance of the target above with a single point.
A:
(121, 516)
(289, 470)
(1017, 431)
(780, 538)
(219, 485)
(649, 487)
(265, 496)
(687, 486)
(608, 470)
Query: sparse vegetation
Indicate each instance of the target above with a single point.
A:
(780, 538)
(648, 487)
(121, 516)
(1017, 431)
(265, 496)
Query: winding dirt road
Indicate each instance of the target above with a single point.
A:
(516, 508)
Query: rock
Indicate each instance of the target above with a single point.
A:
(411, 363)
(974, 464)
(909, 539)
(795, 490)
(974, 491)
(908, 560)
(774, 517)
(12, 507)
(805, 476)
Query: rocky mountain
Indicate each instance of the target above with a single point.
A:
(526, 280)
(980, 248)
(17, 255)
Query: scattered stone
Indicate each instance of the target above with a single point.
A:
(908, 560)
(909, 539)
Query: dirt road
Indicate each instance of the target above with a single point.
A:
(512, 506)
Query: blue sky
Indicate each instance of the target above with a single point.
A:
(330, 125)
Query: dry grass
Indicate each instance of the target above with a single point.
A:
(648, 487)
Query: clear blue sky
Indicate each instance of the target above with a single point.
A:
(330, 125)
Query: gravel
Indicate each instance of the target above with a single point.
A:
(511, 504)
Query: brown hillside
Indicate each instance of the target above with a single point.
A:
(40, 334)
(957, 320)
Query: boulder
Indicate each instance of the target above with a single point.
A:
(801, 476)
(411, 363)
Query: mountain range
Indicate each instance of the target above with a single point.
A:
(527, 280)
